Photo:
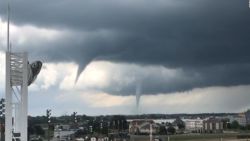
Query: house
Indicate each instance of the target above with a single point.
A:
(213, 125)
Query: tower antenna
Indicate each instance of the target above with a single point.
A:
(8, 28)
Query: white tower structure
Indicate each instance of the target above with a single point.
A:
(19, 75)
(16, 96)
(16, 115)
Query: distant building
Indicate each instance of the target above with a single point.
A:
(213, 125)
(247, 114)
(143, 127)
(63, 127)
(63, 132)
(194, 125)
(163, 121)
(240, 118)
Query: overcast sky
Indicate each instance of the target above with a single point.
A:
(187, 56)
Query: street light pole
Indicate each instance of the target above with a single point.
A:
(48, 114)
(2, 110)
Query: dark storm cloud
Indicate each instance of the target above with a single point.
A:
(156, 81)
(207, 39)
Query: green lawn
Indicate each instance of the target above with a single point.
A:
(192, 137)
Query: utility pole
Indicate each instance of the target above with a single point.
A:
(48, 114)
(108, 126)
(75, 120)
(2, 111)
(75, 117)
(101, 126)
(91, 129)
(151, 132)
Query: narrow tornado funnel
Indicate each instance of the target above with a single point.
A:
(138, 96)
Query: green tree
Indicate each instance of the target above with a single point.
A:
(39, 130)
(80, 133)
(31, 130)
(226, 123)
(179, 123)
(163, 130)
(119, 122)
(171, 130)
(52, 127)
(248, 127)
(235, 125)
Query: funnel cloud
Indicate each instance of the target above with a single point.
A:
(138, 96)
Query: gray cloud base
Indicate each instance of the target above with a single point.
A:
(207, 39)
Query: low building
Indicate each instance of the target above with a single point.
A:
(146, 128)
(194, 125)
(143, 127)
(63, 127)
(62, 134)
(247, 114)
(240, 118)
(213, 125)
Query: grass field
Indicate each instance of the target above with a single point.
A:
(200, 137)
